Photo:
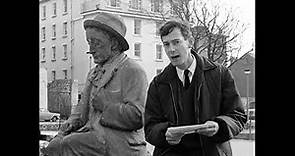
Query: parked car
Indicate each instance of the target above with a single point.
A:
(45, 115)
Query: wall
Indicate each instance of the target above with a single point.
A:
(237, 69)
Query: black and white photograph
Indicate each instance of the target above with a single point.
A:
(146, 77)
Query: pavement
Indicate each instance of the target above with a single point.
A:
(240, 147)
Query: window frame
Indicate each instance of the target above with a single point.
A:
(133, 6)
(43, 34)
(156, 8)
(54, 9)
(137, 27)
(65, 6)
(157, 52)
(65, 29)
(157, 71)
(53, 74)
(65, 51)
(65, 72)
(43, 12)
(53, 31)
(116, 2)
(43, 54)
(137, 51)
(53, 48)
(158, 26)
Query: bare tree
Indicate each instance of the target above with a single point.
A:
(235, 59)
(216, 30)
(217, 33)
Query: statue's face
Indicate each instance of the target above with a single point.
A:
(100, 45)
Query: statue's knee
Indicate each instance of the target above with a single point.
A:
(69, 140)
(53, 147)
(54, 144)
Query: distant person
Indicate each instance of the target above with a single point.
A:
(108, 120)
(191, 90)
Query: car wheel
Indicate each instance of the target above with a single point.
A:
(53, 119)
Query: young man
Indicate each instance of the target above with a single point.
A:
(191, 90)
(108, 120)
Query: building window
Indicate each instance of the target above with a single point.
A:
(54, 9)
(65, 28)
(173, 10)
(43, 53)
(135, 4)
(158, 71)
(53, 74)
(53, 31)
(43, 32)
(65, 6)
(53, 53)
(65, 74)
(43, 12)
(137, 26)
(115, 3)
(158, 25)
(65, 48)
(158, 52)
(137, 49)
(156, 5)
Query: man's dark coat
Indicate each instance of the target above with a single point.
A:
(215, 98)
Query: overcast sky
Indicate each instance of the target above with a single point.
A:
(245, 11)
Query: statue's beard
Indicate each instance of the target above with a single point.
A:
(102, 60)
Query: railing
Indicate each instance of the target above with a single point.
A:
(249, 131)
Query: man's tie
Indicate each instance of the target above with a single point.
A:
(186, 79)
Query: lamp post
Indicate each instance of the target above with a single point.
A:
(59, 122)
(247, 73)
(90, 59)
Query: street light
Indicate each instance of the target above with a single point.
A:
(247, 72)
(90, 60)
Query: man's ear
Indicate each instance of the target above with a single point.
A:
(191, 41)
(114, 44)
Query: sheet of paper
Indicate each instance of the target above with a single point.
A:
(186, 129)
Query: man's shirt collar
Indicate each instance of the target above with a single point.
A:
(191, 69)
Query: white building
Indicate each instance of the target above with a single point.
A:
(55, 38)
(142, 18)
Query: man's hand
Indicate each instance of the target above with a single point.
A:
(210, 130)
(173, 138)
(69, 126)
(66, 128)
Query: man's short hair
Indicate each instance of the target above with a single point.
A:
(170, 25)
